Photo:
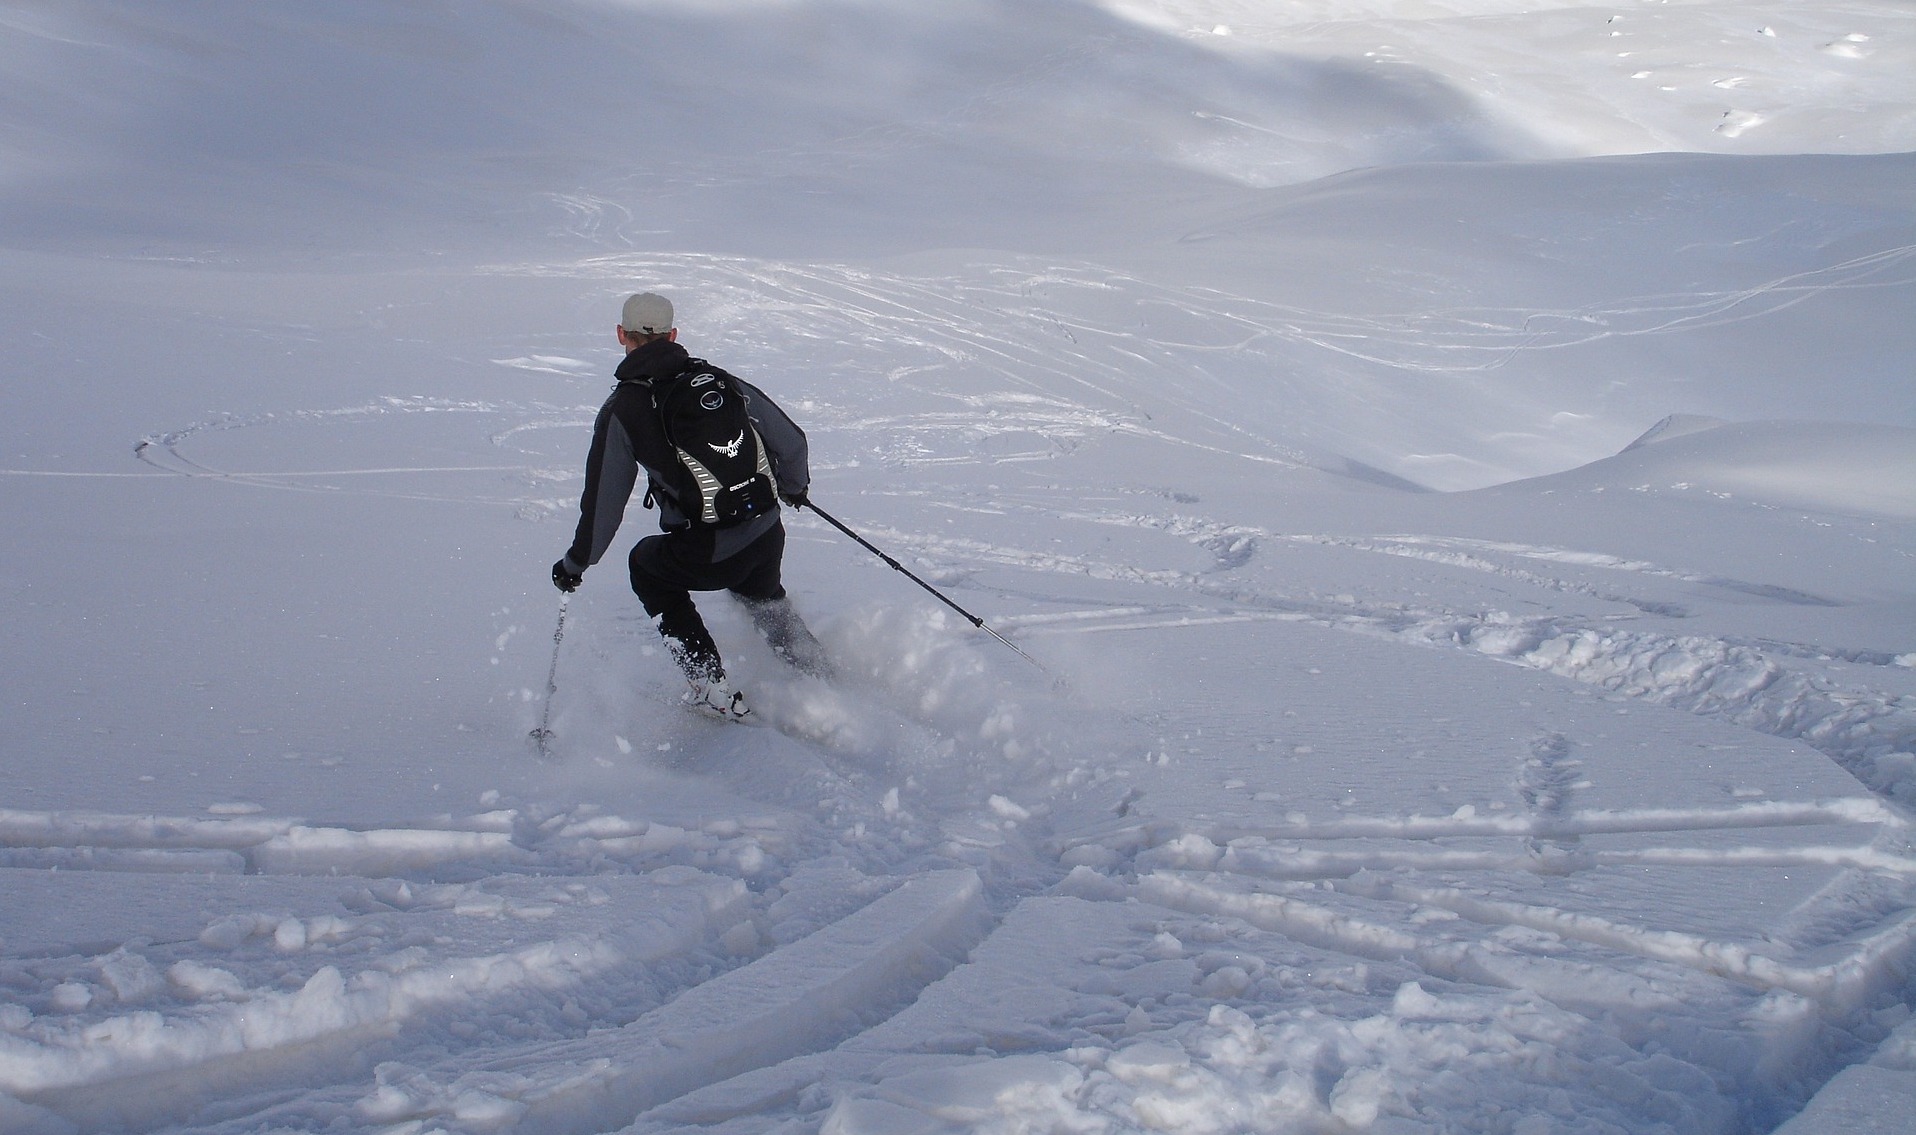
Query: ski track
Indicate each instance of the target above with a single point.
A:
(645, 959)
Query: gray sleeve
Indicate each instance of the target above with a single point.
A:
(611, 472)
(785, 443)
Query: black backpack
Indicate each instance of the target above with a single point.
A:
(724, 476)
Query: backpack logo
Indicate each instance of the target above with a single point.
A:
(711, 400)
(730, 448)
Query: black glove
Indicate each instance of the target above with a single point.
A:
(795, 500)
(564, 580)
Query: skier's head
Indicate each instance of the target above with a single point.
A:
(646, 316)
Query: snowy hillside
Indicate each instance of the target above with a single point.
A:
(1818, 467)
(1453, 463)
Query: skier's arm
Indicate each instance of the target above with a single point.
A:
(784, 442)
(611, 471)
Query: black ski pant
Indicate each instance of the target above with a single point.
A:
(667, 568)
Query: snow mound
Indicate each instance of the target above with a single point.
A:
(1865, 470)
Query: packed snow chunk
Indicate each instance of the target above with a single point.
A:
(1007, 809)
(230, 932)
(323, 851)
(1031, 1092)
(1361, 1096)
(1413, 1002)
(1148, 1062)
(130, 976)
(749, 856)
(1190, 852)
(290, 936)
(205, 983)
(406, 1093)
(1087, 882)
(70, 996)
(1503, 639)
(1225, 983)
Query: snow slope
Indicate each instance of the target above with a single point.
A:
(1816, 467)
(1428, 740)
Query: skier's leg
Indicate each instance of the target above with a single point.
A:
(772, 612)
(663, 586)
(779, 624)
(689, 643)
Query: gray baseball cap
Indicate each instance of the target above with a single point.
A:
(646, 313)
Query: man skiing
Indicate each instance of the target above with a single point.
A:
(716, 536)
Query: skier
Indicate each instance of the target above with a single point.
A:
(700, 547)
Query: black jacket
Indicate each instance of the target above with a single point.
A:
(627, 437)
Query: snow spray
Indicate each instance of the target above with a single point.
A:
(942, 597)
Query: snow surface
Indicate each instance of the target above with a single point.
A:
(1453, 460)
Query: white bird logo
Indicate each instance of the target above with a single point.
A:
(731, 448)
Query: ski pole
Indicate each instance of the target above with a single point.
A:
(906, 572)
(542, 736)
